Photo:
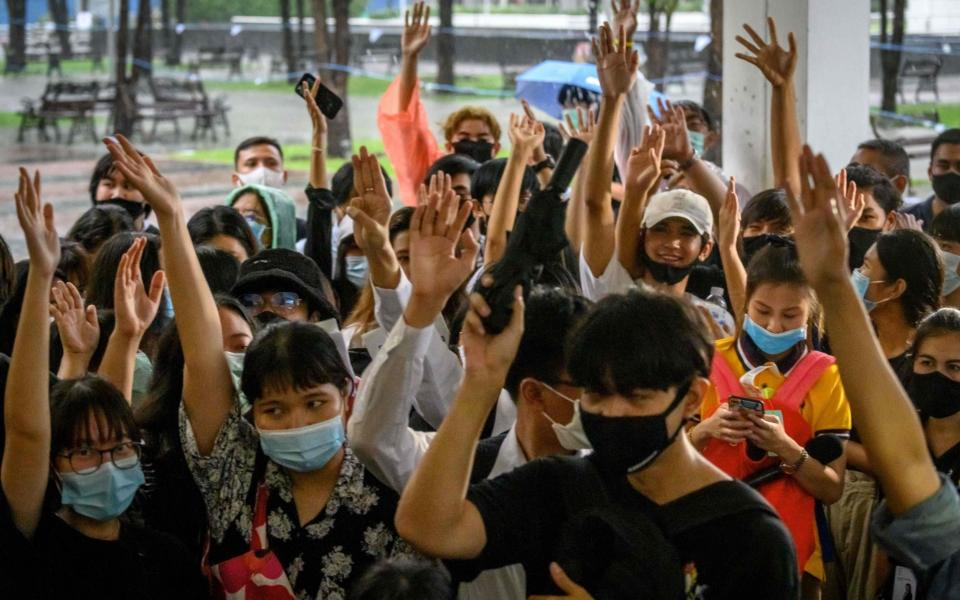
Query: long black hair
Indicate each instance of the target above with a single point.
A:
(207, 223)
(913, 257)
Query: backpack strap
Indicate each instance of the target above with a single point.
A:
(723, 500)
(724, 380)
(801, 379)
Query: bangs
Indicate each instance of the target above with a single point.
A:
(89, 411)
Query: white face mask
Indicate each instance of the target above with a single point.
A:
(571, 435)
(262, 176)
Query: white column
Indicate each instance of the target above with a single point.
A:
(832, 81)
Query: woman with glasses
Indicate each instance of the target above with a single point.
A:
(71, 538)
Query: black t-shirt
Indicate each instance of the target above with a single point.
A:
(748, 554)
(61, 562)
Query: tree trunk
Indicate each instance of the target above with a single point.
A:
(288, 54)
(592, 16)
(338, 130)
(890, 58)
(58, 14)
(713, 88)
(446, 49)
(656, 66)
(301, 32)
(165, 23)
(176, 48)
(142, 45)
(321, 38)
(16, 60)
(124, 104)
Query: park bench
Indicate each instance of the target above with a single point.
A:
(926, 72)
(174, 99)
(218, 56)
(61, 100)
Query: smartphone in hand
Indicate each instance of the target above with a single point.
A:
(743, 403)
(328, 102)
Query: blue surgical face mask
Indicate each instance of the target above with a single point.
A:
(357, 269)
(951, 280)
(861, 283)
(167, 307)
(773, 343)
(235, 362)
(256, 227)
(104, 494)
(697, 140)
(306, 448)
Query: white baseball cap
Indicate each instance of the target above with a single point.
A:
(679, 203)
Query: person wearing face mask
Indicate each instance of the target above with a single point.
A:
(944, 174)
(933, 385)
(471, 131)
(887, 157)
(946, 231)
(289, 505)
(643, 470)
(270, 214)
(881, 203)
(354, 272)
(110, 188)
(791, 450)
(259, 161)
(79, 442)
(284, 284)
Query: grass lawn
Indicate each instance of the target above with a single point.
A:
(9, 119)
(366, 86)
(296, 156)
(949, 113)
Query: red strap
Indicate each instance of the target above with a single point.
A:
(258, 534)
(724, 380)
(801, 379)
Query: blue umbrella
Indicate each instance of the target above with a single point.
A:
(541, 85)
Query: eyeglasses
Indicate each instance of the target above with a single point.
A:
(284, 302)
(86, 460)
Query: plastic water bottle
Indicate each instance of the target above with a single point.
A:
(716, 297)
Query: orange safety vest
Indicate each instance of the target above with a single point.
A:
(794, 504)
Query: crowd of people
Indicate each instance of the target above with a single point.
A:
(648, 382)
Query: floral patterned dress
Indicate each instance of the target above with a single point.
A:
(323, 558)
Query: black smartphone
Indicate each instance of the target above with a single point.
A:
(751, 404)
(328, 102)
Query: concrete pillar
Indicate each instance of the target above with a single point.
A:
(832, 81)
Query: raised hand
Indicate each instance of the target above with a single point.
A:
(677, 146)
(143, 175)
(36, 220)
(905, 221)
(776, 64)
(538, 153)
(819, 222)
(416, 29)
(135, 307)
(488, 357)
(643, 166)
(729, 222)
(584, 130)
(624, 14)
(616, 64)
(370, 206)
(78, 326)
(853, 201)
(316, 117)
(571, 591)
(526, 135)
(435, 231)
(440, 184)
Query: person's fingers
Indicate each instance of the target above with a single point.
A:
(406, 18)
(563, 581)
(91, 316)
(156, 286)
(622, 40)
(75, 298)
(772, 28)
(460, 221)
(469, 248)
(58, 299)
(416, 221)
(754, 35)
(36, 184)
(479, 305)
(474, 324)
(425, 21)
(792, 44)
(516, 317)
(430, 216)
(129, 150)
(743, 42)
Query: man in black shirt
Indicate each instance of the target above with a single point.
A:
(944, 172)
(645, 515)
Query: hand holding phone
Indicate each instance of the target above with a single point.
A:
(746, 404)
(328, 102)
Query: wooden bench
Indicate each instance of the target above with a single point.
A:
(61, 100)
(218, 56)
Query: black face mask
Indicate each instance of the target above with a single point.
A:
(134, 209)
(860, 241)
(947, 187)
(479, 150)
(665, 273)
(935, 394)
(756, 243)
(624, 445)
(266, 318)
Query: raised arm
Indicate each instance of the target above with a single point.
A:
(26, 412)
(135, 309)
(642, 175)
(584, 130)
(416, 34)
(78, 327)
(778, 66)
(526, 135)
(434, 514)
(617, 71)
(539, 154)
(733, 270)
(885, 417)
(370, 211)
(318, 151)
(208, 393)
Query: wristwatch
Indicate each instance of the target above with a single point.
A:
(547, 163)
(791, 469)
